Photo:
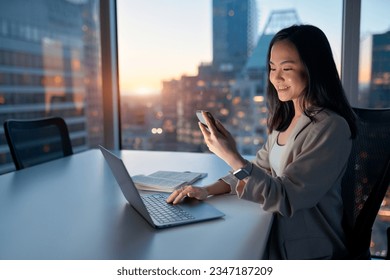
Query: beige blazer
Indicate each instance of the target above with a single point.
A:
(306, 198)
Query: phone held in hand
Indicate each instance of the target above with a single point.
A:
(202, 120)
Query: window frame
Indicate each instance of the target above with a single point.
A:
(110, 74)
(350, 47)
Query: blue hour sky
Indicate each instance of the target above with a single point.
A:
(165, 39)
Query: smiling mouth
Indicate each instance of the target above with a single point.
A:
(283, 87)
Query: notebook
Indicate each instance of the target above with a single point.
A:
(166, 181)
(152, 207)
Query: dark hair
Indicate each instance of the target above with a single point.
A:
(324, 89)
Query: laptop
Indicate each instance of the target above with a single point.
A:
(153, 207)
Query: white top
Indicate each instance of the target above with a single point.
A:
(275, 157)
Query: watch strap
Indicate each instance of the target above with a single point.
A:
(244, 172)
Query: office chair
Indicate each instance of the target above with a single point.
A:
(366, 179)
(36, 141)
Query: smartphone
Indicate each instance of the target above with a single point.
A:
(202, 120)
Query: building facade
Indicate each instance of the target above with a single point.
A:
(379, 93)
(49, 66)
(234, 34)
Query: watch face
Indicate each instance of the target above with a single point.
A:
(241, 174)
(244, 172)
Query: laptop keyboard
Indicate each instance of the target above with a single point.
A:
(163, 212)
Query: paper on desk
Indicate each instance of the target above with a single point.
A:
(166, 181)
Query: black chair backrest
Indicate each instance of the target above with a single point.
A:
(366, 179)
(36, 141)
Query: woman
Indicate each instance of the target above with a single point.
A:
(297, 173)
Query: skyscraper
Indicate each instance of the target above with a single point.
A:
(234, 34)
(379, 95)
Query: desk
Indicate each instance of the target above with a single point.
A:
(72, 208)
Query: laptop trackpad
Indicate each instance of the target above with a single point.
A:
(200, 209)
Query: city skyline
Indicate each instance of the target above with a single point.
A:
(148, 56)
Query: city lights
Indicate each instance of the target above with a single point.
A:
(157, 130)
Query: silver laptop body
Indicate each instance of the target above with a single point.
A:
(195, 211)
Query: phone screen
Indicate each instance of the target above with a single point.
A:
(201, 118)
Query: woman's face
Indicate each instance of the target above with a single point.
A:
(287, 73)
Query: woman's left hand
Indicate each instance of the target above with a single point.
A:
(221, 142)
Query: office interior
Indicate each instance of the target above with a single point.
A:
(69, 58)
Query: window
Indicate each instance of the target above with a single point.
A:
(374, 63)
(176, 57)
(50, 65)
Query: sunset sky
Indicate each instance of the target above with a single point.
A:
(165, 39)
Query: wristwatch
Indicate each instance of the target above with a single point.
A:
(244, 172)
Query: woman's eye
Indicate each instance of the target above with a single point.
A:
(272, 69)
(287, 69)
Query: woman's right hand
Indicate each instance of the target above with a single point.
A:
(177, 196)
(220, 142)
(200, 193)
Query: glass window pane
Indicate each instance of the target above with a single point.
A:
(374, 63)
(179, 56)
(49, 65)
